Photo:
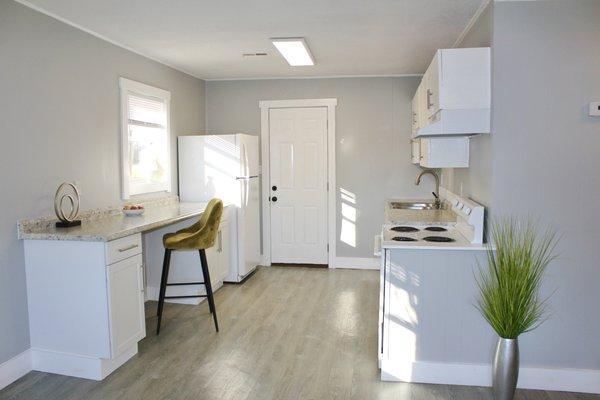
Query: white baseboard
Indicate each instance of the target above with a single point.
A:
(557, 379)
(346, 263)
(560, 379)
(356, 263)
(77, 365)
(265, 261)
(15, 368)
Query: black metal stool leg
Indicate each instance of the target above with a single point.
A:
(209, 292)
(163, 287)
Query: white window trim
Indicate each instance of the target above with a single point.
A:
(128, 86)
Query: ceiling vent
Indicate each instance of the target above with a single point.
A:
(247, 55)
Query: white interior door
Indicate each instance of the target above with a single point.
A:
(298, 175)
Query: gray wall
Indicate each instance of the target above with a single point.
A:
(546, 159)
(372, 138)
(476, 181)
(60, 121)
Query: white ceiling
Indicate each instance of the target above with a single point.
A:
(206, 38)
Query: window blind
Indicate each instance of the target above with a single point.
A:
(146, 111)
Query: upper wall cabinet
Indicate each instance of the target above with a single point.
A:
(454, 95)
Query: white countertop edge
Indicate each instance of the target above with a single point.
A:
(422, 246)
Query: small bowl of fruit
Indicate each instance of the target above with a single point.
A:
(131, 210)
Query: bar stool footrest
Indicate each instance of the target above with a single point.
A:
(185, 283)
(185, 297)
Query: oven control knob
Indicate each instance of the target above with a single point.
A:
(467, 210)
(454, 202)
(459, 205)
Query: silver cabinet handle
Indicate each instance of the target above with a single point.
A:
(429, 103)
(133, 246)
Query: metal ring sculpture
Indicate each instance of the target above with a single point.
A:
(59, 199)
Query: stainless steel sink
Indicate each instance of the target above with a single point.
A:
(425, 205)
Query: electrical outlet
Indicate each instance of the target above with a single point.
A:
(595, 109)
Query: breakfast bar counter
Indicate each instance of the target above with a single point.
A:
(111, 225)
(86, 285)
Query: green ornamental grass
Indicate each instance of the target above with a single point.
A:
(509, 287)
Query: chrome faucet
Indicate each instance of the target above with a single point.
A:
(437, 183)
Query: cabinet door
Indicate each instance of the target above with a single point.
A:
(432, 86)
(415, 113)
(422, 113)
(445, 152)
(415, 151)
(213, 259)
(125, 303)
(218, 256)
(224, 247)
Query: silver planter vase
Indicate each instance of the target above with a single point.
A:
(505, 369)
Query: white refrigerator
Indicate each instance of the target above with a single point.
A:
(226, 166)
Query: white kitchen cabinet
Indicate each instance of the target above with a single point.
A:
(125, 288)
(419, 108)
(429, 331)
(415, 156)
(218, 256)
(454, 95)
(415, 114)
(224, 249)
(431, 81)
(446, 152)
(86, 304)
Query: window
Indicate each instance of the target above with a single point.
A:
(145, 138)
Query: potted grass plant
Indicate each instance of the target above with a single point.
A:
(509, 292)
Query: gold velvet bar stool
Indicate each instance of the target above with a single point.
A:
(200, 236)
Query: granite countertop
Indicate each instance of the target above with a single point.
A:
(114, 225)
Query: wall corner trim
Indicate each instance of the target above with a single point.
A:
(471, 23)
(15, 368)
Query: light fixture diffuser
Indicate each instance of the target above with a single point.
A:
(294, 50)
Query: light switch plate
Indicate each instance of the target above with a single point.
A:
(595, 109)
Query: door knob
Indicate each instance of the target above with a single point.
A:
(274, 198)
(274, 188)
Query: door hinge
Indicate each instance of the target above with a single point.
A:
(328, 247)
(328, 186)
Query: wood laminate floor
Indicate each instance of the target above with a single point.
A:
(286, 333)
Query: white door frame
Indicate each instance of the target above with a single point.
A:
(265, 106)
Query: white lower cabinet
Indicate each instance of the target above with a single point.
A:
(429, 331)
(218, 256)
(125, 289)
(444, 152)
(86, 304)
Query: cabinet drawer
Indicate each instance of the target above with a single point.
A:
(120, 249)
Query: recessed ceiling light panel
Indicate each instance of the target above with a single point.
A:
(294, 50)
